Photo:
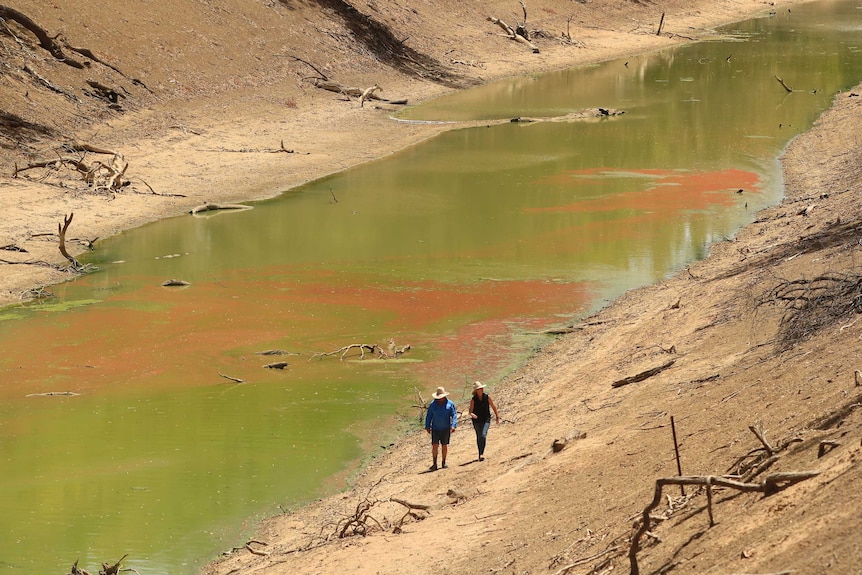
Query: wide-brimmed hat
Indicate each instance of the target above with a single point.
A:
(440, 393)
(477, 385)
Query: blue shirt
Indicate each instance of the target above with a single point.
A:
(441, 417)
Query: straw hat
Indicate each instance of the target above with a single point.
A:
(477, 385)
(440, 393)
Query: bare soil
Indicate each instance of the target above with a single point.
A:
(215, 103)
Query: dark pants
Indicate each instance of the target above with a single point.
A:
(481, 428)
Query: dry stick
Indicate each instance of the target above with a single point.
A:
(676, 451)
(757, 430)
(768, 486)
(660, 24)
(236, 379)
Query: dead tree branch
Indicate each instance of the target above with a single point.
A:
(392, 352)
(320, 74)
(786, 87)
(510, 32)
(768, 486)
(214, 207)
(108, 569)
(62, 229)
(46, 41)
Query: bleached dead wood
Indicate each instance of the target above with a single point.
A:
(510, 32)
(392, 352)
(367, 93)
(208, 207)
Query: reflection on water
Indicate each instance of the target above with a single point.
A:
(177, 436)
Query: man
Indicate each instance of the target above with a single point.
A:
(441, 420)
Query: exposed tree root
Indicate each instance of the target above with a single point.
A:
(46, 41)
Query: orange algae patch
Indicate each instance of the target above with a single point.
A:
(420, 305)
(188, 337)
(668, 190)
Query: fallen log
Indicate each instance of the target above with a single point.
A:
(213, 207)
(643, 375)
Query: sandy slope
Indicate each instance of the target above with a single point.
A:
(525, 509)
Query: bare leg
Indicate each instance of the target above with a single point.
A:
(445, 450)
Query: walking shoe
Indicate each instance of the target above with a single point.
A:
(434, 467)
(481, 458)
(444, 466)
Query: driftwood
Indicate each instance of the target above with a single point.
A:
(214, 207)
(643, 375)
(175, 283)
(392, 351)
(771, 484)
(236, 379)
(108, 569)
(98, 175)
(510, 32)
(367, 93)
(353, 92)
(786, 87)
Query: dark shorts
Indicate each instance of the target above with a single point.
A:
(440, 436)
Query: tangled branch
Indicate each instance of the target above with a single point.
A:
(770, 484)
(811, 305)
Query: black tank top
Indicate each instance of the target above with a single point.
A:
(482, 407)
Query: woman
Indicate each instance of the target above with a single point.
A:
(481, 405)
